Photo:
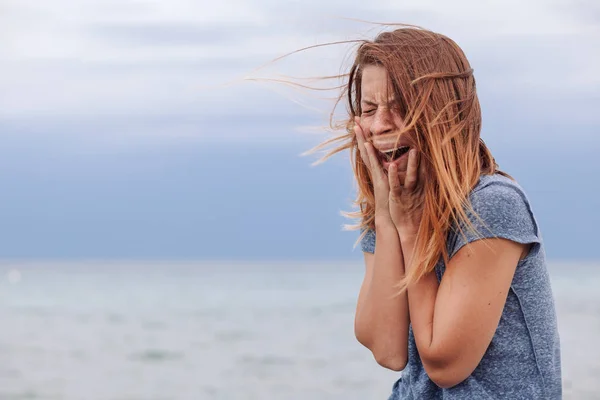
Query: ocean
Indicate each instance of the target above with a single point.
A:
(229, 331)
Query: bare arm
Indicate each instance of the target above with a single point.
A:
(381, 322)
(454, 321)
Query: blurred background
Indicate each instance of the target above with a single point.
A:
(162, 238)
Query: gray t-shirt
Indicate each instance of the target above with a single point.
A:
(523, 358)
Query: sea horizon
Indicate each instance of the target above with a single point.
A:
(178, 330)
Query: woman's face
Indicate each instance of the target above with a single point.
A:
(381, 121)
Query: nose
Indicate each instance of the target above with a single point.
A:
(382, 122)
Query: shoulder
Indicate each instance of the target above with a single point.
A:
(499, 208)
(490, 186)
(497, 199)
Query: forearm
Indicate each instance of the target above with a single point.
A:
(382, 315)
(454, 321)
(421, 298)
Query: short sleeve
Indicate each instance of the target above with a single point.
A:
(367, 243)
(503, 211)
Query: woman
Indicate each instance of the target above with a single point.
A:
(456, 291)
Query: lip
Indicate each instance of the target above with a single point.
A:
(388, 145)
(390, 141)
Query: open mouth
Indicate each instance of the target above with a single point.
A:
(394, 154)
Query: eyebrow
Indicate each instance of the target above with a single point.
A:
(369, 103)
(374, 104)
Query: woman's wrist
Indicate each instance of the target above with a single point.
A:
(383, 222)
(407, 236)
(404, 229)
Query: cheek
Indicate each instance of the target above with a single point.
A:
(365, 124)
(398, 120)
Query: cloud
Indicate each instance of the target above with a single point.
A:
(583, 12)
(170, 34)
(95, 59)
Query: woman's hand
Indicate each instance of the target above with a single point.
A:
(381, 186)
(406, 200)
(401, 203)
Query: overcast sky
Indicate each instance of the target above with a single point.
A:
(92, 91)
(108, 59)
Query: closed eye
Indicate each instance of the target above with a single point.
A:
(368, 111)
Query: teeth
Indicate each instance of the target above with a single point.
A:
(391, 151)
(395, 153)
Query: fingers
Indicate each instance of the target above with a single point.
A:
(394, 180)
(374, 164)
(367, 152)
(412, 170)
(421, 170)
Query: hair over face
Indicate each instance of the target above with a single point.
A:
(434, 86)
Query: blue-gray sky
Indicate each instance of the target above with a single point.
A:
(119, 138)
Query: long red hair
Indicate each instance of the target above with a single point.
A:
(434, 84)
